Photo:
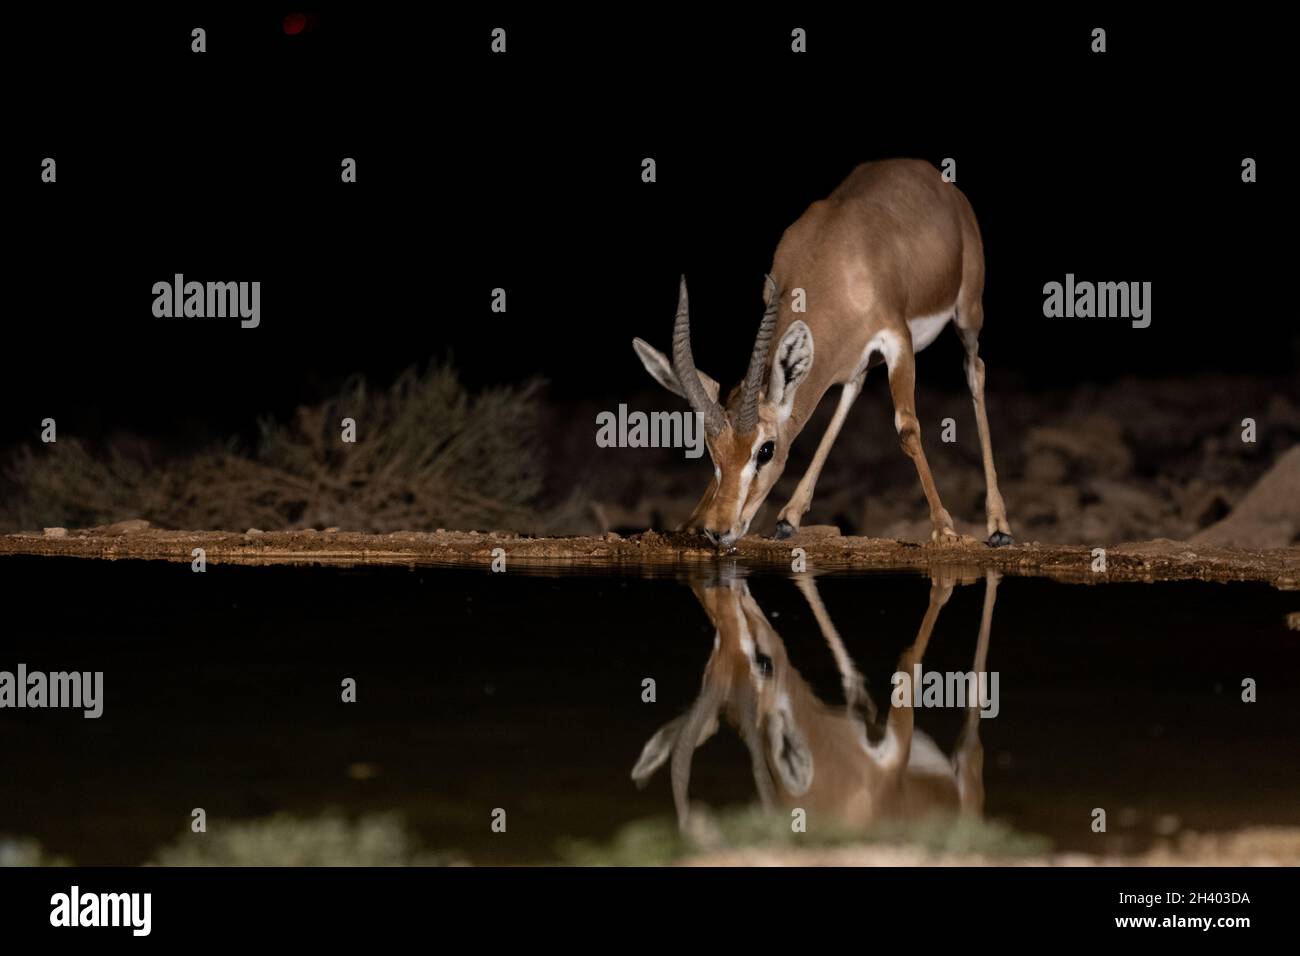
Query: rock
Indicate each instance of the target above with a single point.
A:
(1094, 444)
(818, 532)
(253, 532)
(56, 532)
(132, 526)
(1269, 514)
(913, 530)
(1283, 413)
(333, 529)
(1201, 504)
(1046, 466)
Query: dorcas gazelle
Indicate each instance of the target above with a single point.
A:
(869, 275)
(807, 754)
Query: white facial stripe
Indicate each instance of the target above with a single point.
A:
(740, 524)
(747, 475)
(746, 479)
(747, 646)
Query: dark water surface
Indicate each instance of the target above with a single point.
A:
(523, 690)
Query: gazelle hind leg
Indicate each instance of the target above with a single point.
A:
(968, 754)
(969, 322)
(855, 688)
(901, 718)
(788, 521)
(902, 387)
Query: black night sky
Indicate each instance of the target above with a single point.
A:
(478, 171)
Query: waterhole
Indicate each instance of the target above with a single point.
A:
(538, 692)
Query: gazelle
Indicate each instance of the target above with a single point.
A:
(806, 754)
(881, 265)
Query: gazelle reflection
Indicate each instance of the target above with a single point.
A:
(805, 753)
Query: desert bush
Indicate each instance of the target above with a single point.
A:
(427, 454)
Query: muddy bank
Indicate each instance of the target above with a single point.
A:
(1156, 560)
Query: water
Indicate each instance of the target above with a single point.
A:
(523, 691)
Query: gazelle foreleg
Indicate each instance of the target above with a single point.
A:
(968, 325)
(855, 690)
(902, 387)
(787, 522)
(968, 754)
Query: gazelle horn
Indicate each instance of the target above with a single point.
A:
(747, 418)
(687, 376)
(688, 738)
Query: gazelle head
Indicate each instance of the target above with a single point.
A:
(748, 681)
(749, 436)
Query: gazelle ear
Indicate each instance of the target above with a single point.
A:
(789, 752)
(660, 746)
(793, 362)
(661, 370)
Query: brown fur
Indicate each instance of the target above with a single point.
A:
(850, 786)
(893, 242)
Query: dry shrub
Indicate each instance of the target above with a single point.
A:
(427, 455)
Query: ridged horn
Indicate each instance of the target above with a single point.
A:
(747, 418)
(688, 739)
(684, 368)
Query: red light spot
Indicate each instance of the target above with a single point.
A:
(295, 23)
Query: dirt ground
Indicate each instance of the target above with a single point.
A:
(823, 547)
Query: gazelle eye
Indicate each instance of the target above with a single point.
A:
(765, 452)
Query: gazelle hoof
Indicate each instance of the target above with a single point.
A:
(1000, 539)
(784, 529)
(947, 538)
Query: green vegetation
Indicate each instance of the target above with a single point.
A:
(657, 841)
(283, 840)
(25, 851)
